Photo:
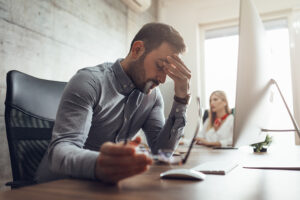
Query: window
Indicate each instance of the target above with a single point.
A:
(220, 68)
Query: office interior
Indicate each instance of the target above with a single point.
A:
(52, 39)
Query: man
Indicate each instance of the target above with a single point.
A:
(103, 105)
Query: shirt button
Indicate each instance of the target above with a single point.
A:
(177, 110)
(173, 130)
(131, 85)
(125, 86)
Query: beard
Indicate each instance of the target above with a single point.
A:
(136, 71)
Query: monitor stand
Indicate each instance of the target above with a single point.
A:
(289, 112)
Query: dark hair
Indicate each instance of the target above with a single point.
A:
(154, 34)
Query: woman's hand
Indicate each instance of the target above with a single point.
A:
(202, 141)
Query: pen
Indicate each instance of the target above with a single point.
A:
(127, 133)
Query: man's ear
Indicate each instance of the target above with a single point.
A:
(137, 49)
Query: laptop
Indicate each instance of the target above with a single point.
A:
(167, 157)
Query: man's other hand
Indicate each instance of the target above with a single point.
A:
(118, 161)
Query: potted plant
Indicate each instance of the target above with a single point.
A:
(262, 146)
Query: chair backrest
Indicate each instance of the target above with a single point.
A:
(30, 110)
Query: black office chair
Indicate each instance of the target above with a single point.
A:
(205, 114)
(30, 110)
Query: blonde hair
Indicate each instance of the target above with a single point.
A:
(212, 115)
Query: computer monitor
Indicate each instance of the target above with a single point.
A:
(253, 91)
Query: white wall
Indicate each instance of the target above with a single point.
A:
(187, 15)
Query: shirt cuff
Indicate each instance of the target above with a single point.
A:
(178, 110)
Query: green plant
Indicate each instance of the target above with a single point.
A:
(258, 147)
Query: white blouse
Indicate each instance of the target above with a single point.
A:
(223, 135)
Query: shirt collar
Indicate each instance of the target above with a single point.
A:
(123, 80)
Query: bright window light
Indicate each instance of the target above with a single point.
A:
(221, 66)
(221, 56)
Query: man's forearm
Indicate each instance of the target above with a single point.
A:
(173, 129)
(68, 159)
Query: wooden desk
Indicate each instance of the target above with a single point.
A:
(239, 184)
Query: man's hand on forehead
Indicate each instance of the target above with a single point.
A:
(181, 75)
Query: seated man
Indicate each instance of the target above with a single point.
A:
(103, 105)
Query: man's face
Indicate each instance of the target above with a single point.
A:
(148, 71)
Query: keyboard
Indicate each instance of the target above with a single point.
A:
(216, 167)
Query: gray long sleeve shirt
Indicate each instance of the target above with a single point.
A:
(101, 104)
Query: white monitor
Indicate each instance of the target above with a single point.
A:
(253, 91)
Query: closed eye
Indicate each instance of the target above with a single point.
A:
(159, 67)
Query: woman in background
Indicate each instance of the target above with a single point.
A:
(218, 127)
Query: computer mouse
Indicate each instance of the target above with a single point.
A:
(188, 174)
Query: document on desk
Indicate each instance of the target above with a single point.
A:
(273, 165)
(216, 167)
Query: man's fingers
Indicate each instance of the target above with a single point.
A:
(124, 161)
(116, 176)
(111, 170)
(110, 148)
(170, 74)
(175, 72)
(179, 66)
(114, 168)
(183, 68)
(136, 141)
(180, 61)
(131, 172)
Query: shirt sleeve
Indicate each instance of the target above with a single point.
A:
(163, 134)
(226, 132)
(66, 154)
